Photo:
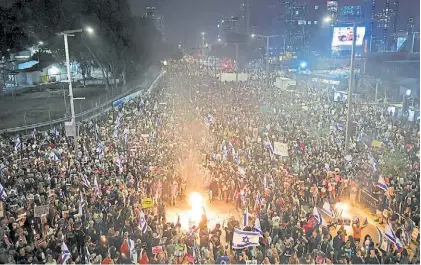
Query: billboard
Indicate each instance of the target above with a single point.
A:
(351, 12)
(343, 36)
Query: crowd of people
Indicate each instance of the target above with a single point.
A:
(105, 199)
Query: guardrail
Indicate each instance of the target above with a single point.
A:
(84, 115)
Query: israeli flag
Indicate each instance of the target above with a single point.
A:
(142, 222)
(208, 123)
(258, 199)
(65, 253)
(3, 194)
(55, 132)
(242, 239)
(327, 209)
(360, 137)
(118, 162)
(96, 187)
(125, 134)
(340, 139)
(391, 236)
(34, 133)
(2, 167)
(230, 145)
(100, 149)
(18, 144)
(196, 252)
(372, 161)
(81, 204)
(340, 126)
(381, 183)
(257, 226)
(348, 159)
(85, 181)
(235, 156)
(246, 217)
(267, 143)
(243, 196)
(319, 218)
(54, 157)
(115, 135)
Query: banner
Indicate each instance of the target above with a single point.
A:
(157, 250)
(41, 210)
(147, 203)
(280, 149)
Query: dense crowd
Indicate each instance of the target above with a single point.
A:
(192, 132)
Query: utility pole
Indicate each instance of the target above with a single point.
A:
(267, 37)
(236, 62)
(377, 89)
(351, 83)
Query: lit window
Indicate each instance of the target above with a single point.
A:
(309, 22)
(297, 13)
(316, 7)
(315, 22)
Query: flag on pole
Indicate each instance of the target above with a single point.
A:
(142, 222)
(54, 157)
(258, 199)
(65, 253)
(18, 144)
(34, 133)
(235, 156)
(319, 218)
(3, 194)
(391, 236)
(327, 209)
(118, 162)
(100, 149)
(125, 134)
(372, 161)
(85, 180)
(96, 187)
(381, 183)
(81, 204)
(242, 239)
(257, 226)
(246, 217)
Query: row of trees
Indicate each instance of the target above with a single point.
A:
(121, 45)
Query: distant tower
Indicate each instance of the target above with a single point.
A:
(245, 16)
(157, 20)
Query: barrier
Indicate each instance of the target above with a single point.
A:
(85, 115)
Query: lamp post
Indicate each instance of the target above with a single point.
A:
(267, 37)
(69, 78)
(351, 83)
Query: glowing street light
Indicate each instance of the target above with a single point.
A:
(327, 19)
(89, 30)
(54, 70)
(202, 33)
(408, 92)
(303, 65)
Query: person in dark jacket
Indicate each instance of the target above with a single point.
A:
(372, 258)
(338, 242)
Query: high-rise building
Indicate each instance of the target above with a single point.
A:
(245, 17)
(157, 19)
(384, 24)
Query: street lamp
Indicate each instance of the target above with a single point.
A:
(267, 37)
(69, 77)
(351, 81)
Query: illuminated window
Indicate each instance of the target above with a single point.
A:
(297, 13)
(315, 22)
(316, 7)
(309, 22)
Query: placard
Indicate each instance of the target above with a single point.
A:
(147, 203)
(280, 149)
(40, 210)
(1, 209)
(157, 250)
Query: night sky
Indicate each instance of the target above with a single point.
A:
(185, 19)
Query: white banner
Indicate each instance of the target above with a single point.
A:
(280, 149)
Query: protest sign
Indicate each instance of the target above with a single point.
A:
(280, 149)
(147, 203)
(157, 250)
(40, 210)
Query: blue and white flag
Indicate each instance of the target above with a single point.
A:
(257, 226)
(327, 209)
(196, 252)
(3, 194)
(81, 204)
(319, 218)
(100, 149)
(55, 132)
(340, 126)
(34, 133)
(85, 180)
(268, 144)
(243, 196)
(246, 217)
(391, 236)
(372, 161)
(18, 144)
(242, 239)
(96, 187)
(53, 156)
(258, 199)
(125, 134)
(2, 167)
(230, 145)
(207, 122)
(65, 253)
(381, 183)
(235, 156)
(118, 162)
(142, 222)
